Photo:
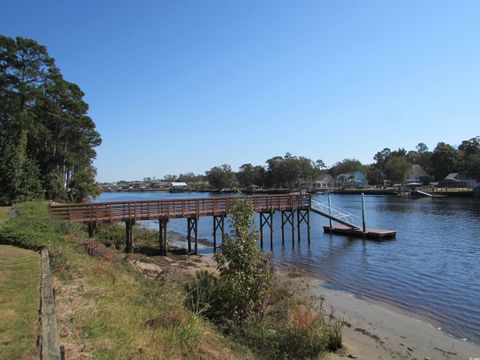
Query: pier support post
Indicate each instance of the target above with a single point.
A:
(189, 237)
(92, 229)
(303, 216)
(298, 225)
(308, 225)
(129, 246)
(288, 217)
(192, 224)
(162, 236)
(266, 218)
(271, 231)
(218, 223)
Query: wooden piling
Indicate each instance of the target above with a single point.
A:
(129, 246)
(288, 217)
(266, 218)
(261, 230)
(303, 216)
(218, 223)
(271, 231)
(193, 226)
(308, 225)
(92, 229)
(298, 225)
(189, 237)
(163, 236)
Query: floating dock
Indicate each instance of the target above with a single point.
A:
(370, 233)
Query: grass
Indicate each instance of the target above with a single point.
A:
(4, 214)
(19, 299)
(106, 309)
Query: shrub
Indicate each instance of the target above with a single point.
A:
(248, 303)
(246, 273)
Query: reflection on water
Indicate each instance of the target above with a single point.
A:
(432, 267)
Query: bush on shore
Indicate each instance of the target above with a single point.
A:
(247, 302)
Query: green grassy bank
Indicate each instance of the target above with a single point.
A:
(109, 310)
(19, 301)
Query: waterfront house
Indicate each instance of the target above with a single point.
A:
(352, 179)
(178, 187)
(324, 181)
(459, 180)
(417, 176)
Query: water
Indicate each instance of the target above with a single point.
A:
(432, 268)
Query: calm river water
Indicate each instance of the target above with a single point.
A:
(432, 268)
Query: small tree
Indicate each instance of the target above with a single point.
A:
(397, 168)
(246, 274)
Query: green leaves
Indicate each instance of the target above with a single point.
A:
(246, 274)
(44, 118)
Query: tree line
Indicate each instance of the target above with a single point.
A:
(47, 139)
(291, 171)
(438, 163)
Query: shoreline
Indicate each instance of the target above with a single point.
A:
(375, 329)
(328, 289)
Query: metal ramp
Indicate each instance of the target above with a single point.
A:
(423, 193)
(347, 223)
(336, 215)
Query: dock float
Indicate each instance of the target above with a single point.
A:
(369, 233)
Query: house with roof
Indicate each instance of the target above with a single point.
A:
(417, 176)
(324, 181)
(459, 180)
(352, 179)
(178, 187)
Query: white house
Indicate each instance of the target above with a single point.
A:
(178, 187)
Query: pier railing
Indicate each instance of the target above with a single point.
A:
(109, 212)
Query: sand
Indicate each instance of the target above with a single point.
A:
(374, 330)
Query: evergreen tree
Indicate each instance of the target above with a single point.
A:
(44, 121)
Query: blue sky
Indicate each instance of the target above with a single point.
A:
(177, 86)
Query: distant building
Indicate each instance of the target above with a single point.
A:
(324, 181)
(417, 176)
(459, 180)
(178, 187)
(352, 179)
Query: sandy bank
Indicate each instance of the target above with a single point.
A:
(376, 331)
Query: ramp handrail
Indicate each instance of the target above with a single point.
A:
(344, 216)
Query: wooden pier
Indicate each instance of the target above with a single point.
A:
(191, 209)
(291, 206)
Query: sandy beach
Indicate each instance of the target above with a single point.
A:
(375, 330)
